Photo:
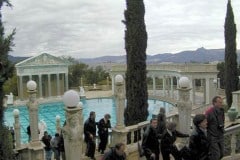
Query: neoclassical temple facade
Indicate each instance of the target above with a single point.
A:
(206, 73)
(49, 72)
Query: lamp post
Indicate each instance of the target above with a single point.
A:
(73, 130)
(17, 128)
(184, 105)
(35, 146)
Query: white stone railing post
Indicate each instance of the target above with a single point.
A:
(35, 147)
(233, 144)
(17, 128)
(120, 98)
(119, 132)
(73, 130)
(58, 125)
(184, 106)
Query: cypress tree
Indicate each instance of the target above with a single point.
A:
(231, 66)
(135, 44)
(6, 70)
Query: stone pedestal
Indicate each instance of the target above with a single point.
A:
(184, 111)
(35, 147)
(236, 101)
(17, 131)
(119, 132)
(72, 133)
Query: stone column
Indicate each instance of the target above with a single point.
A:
(207, 88)
(66, 81)
(119, 132)
(35, 147)
(17, 128)
(164, 85)
(113, 82)
(40, 85)
(193, 91)
(21, 87)
(172, 90)
(72, 133)
(49, 86)
(58, 85)
(154, 85)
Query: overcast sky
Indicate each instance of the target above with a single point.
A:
(93, 28)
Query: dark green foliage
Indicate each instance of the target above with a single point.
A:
(6, 147)
(221, 74)
(135, 45)
(6, 70)
(89, 75)
(231, 71)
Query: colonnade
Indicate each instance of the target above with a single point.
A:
(49, 84)
(170, 83)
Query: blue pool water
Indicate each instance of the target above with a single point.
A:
(49, 111)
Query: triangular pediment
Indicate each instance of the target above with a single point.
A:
(41, 60)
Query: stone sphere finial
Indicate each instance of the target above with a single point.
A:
(71, 98)
(119, 79)
(214, 81)
(31, 85)
(57, 117)
(184, 82)
(15, 112)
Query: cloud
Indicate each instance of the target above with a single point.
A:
(90, 28)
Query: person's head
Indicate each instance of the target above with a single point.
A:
(200, 121)
(107, 116)
(162, 110)
(120, 147)
(217, 101)
(92, 115)
(171, 126)
(153, 122)
(45, 133)
(57, 135)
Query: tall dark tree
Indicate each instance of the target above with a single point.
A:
(231, 66)
(135, 45)
(6, 70)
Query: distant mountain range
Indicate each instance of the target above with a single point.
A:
(201, 55)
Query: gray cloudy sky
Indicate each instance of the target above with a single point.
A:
(93, 28)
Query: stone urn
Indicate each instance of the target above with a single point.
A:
(232, 114)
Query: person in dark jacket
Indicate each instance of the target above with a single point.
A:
(150, 143)
(199, 144)
(215, 129)
(116, 153)
(103, 126)
(167, 142)
(46, 139)
(161, 121)
(90, 135)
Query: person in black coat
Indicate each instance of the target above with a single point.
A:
(167, 142)
(199, 144)
(103, 126)
(90, 135)
(150, 143)
(116, 153)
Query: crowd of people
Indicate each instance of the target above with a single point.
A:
(206, 141)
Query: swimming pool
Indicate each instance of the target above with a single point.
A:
(49, 111)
